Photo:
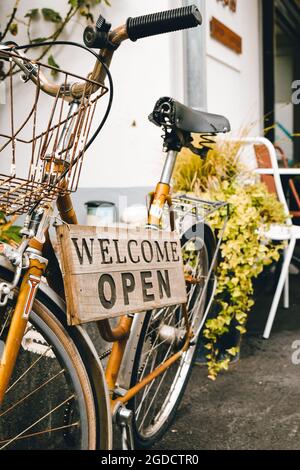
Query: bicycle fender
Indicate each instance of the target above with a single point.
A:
(89, 355)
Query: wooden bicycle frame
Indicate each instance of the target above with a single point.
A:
(45, 253)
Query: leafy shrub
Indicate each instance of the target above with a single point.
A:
(244, 251)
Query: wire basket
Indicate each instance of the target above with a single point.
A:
(43, 138)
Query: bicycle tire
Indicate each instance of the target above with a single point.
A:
(75, 424)
(147, 438)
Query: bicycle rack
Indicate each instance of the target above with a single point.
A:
(189, 209)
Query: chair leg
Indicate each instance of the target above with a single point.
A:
(286, 293)
(282, 279)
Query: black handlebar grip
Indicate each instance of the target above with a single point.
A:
(164, 22)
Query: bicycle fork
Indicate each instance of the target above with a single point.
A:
(35, 268)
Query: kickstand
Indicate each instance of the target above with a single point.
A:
(124, 421)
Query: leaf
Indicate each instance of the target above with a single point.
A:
(13, 29)
(233, 351)
(77, 3)
(53, 63)
(86, 13)
(32, 14)
(51, 15)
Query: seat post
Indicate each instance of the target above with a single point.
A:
(169, 167)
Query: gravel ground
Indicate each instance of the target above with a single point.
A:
(256, 405)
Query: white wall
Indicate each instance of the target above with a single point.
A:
(143, 72)
(234, 85)
(126, 156)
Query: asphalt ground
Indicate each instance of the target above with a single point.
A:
(256, 404)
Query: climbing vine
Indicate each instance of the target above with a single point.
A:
(82, 8)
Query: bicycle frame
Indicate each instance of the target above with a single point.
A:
(120, 334)
(40, 253)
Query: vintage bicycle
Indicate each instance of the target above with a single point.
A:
(54, 391)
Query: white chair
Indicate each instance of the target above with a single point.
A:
(288, 232)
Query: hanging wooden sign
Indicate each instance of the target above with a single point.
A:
(109, 272)
(225, 35)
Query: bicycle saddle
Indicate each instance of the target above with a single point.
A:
(172, 114)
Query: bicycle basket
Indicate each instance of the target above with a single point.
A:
(42, 138)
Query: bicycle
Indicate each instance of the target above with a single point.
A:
(72, 402)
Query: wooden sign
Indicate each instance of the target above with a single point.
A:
(109, 272)
(226, 36)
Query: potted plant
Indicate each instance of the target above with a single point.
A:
(244, 252)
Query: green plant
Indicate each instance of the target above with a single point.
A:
(9, 233)
(244, 251)
(83, 8)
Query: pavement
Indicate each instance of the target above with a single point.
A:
(256, 404)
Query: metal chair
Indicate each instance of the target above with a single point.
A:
(267, 167)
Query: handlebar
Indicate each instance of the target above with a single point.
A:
(109, 40)
(164, 22)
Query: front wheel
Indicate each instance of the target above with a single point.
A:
(49, 404)
(162, 335)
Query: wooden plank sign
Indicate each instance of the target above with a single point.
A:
(109, 272)
(226, 36)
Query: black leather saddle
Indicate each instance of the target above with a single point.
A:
(170, 113)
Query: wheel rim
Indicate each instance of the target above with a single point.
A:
(154, 404)
(44, 404)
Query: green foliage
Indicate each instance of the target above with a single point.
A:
(244, 251)
(84, 8)
(13, 29)
(51, 15)
(9, 233)
(52, 63)
(32, 14)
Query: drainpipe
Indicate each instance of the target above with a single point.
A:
(195, 76)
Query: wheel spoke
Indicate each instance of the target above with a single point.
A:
(150, 385)
(29, 368)
(36, 422)
(153, 398)
(32, 393)
(46, 431)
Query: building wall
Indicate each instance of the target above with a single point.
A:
(128, 152)
(124, 155)
(234, 85)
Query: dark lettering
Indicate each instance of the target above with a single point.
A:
(108, 303)
(138, 259)
(84, 248)
(119, 260)
(146, 285)
(105, 251)
(174, 247)
(128, 284)
(161, 254)
(164, 284)
(143, 245)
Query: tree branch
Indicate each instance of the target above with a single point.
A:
(11, 19)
